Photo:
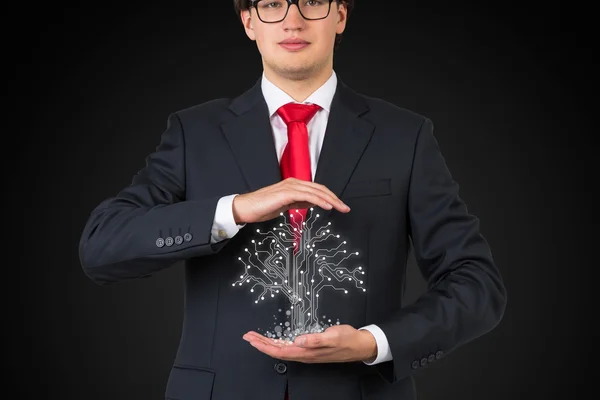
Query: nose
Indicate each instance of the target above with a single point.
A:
(293, 19)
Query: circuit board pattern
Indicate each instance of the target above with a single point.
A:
(272, 268)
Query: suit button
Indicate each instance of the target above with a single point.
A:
(178, 239)
(415, 365)
(222, 234)
(431, 358)
(280, 368)
(169, 241)
(187, 237)
(439, 354)
(160, 242)
(423, 362)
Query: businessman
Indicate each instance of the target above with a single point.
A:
(301, 142)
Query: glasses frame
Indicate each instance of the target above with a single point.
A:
(289, 3)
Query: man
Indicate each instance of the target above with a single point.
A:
(301, 141)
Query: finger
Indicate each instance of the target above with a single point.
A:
(323, 191)
(308, 193)
(301, 195)
(316, 340)
(253, 337)
(280, 352)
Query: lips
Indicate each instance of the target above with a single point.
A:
(293, 44)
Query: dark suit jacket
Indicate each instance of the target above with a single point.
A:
(385, 163)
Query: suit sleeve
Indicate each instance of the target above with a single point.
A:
(466, 296)
(149, 225)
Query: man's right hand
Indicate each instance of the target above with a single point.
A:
(270, 201)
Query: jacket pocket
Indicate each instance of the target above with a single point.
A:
(189, 383)
(368, 188)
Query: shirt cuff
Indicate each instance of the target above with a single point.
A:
(383, 348)
(224, 226)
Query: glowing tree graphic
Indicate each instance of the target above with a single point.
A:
(272, 267)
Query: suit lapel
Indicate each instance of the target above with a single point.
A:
(250, 137)
(346, 138)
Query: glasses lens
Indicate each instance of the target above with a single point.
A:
(314, 9)
(274, 10)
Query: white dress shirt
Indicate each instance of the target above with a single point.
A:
(224, 225)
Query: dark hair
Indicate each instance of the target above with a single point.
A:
(240, 5)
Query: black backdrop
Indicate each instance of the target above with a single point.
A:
(507, 86)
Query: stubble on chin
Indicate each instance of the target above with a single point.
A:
(294, 72)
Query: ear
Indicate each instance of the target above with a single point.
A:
(246, 17)
(342, 14)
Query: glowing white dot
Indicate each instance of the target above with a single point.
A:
(361, 282)
(281, 258)
(312, 280)
(301, 272)
(339, 272)
(264, 270)
(258, 230)
(248, 281)
(251, 290)
(274, 283)
(308, 293)
(240, 284)
(357, 253)
(344, 242)
(344, 251)
(262, 298)
(323, 258)
(255, 253)
(253, 241)
(364, 290)
(248, 267)
(318, 215)
(239, 258)
(281, 214)
(359, 267)
(349, 279)
(245, 249)
(338, 236)
(285, 281)
(317, 295)
(309, 314)
(280, 224)
(273, 241)
(256, 301)
(346, 291)
(299, 283)
(272, 295)
(329, 278)
(233, 284)
(328, 231)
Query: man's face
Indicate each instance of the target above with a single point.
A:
(296, 61)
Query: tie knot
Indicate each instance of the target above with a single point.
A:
(296, 112)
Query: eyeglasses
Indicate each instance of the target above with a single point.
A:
(270, 11)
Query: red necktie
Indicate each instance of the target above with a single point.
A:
(295, 161)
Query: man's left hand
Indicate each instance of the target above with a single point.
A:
(338, 343)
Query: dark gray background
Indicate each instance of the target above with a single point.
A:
(506, 86)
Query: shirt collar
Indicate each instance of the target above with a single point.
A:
(275, 97)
